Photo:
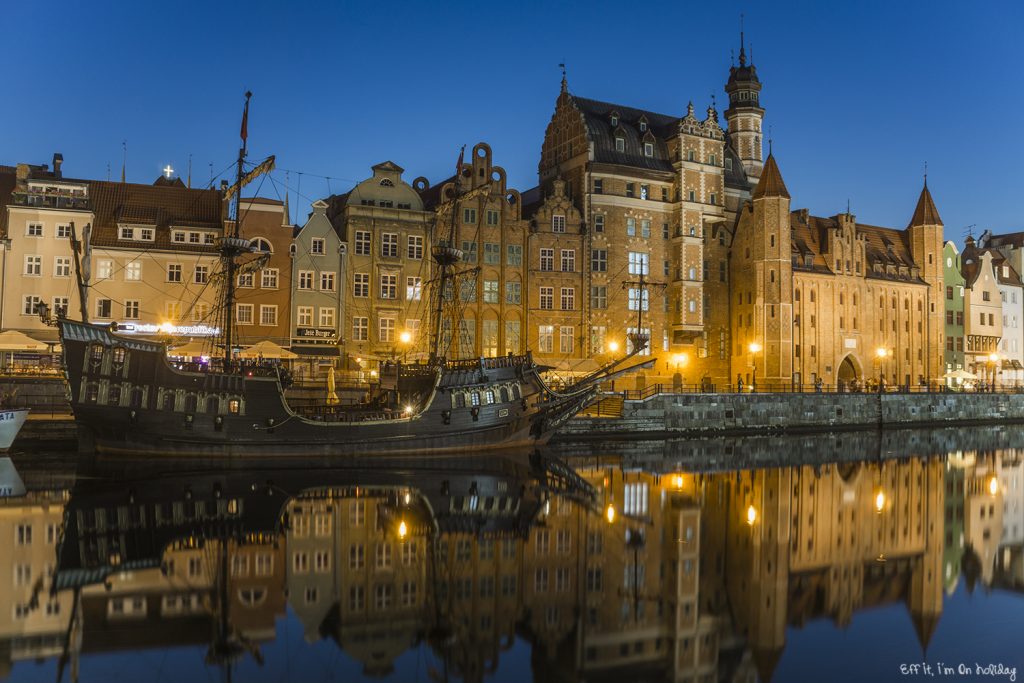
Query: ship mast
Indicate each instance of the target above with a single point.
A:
(232, 246)
(445, 255)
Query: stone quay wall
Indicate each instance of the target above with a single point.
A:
(710, 414)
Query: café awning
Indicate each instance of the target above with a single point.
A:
(12, 340)
(267, 349)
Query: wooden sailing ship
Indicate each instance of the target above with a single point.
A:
(128, 399)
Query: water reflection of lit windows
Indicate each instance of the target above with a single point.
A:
(542, 541)
(561, 580)
(356, 598)
(408, 552)
(357, 513)
(486, 549)
(264, 564)
(383, 556)
(634, 576)
(240, 565)
(321, 561)
(508, 585)
(635, 499)
(356, 556)
(487, 587)
(563, 541)
(300, 524)
(322, 525)
(409, 594)
(464, 589)
(540, 580)
(508, 549)
(312, 596)
(595, 578)
(463, 548)
(594, 542)
(252, 597)
(552, 616)
(22, 575)
(300, 562)
(21, 611)
(195, 566)
(126, 607)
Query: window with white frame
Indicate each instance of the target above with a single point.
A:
(386, 330)
(126, 233)
(202, 275)
(566, 339)
(174, 272)
(133, 271)
(415, 247)
(568, 260)
(598, 222)
(362, 241)
(635, 499)
(63, 231)
(60, 305)
(327, 281)
(361, 285)
(172, 310)
(244, 314)
(547, 298)
(33, 265)
(200, 311)
(547, 259)
(34, 230)
(388, 286)
(639, 263)
(268, 278)
(30, 304)
(304, 316)
(360, 329)
(646, 333)
(268, 314)
(178, 236)
(146, 234)
(546, 338)
(638, 297)
(104, 269)
(104, 308)
(62, 266)
(568, 298)
(620, 144)
(558, 223)
(490, 291)
(318, 246)
(131, 309)
(648, 149)
(306, 279)
(413, 288)
(246, 280)
(327, 316)
(389, 244)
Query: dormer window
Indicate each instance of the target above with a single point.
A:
(643, 125)
(615, 119)
(620, 144)
(386, 182)
(648, 149)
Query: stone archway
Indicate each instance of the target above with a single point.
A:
(848, 372)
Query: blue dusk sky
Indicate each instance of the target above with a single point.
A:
(858, 95)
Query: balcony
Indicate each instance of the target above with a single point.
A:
(65, 200)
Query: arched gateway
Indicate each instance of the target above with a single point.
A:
(848, 371)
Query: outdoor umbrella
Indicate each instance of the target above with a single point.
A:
(267, 349)
(332, 396)
(959, 374)
(191, 350)
(12, 340)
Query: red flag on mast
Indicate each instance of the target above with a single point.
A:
(245, 119)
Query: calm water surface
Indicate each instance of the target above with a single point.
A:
(820, 558)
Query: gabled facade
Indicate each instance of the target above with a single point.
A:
(37, 259)
(386, 233)
(954, 297)
(490, 230)
(832, 300)
(267, 291)
(983, 310)
(317, 252)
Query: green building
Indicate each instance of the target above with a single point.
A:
(954, 281)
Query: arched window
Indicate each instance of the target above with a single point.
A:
(386, 182)
(262, 245)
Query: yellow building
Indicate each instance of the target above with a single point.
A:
(832, 300)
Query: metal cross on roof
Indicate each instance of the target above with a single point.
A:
(168, 171)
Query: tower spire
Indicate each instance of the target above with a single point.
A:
(743, 54)
(565, 82)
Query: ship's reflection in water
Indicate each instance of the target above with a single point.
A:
(619, 562)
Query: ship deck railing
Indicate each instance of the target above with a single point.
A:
(339, 413)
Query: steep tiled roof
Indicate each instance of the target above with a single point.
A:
(597, 115)
(432, 195)
(771, 184)
(532, 200)
(925, 213)
(159, 206)
(970, 260)
(1012, 239)
(8, 179)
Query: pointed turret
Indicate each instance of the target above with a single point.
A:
(745, 115)
(925, 213)
(771, 183)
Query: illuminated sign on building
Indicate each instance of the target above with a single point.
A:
(168, 328)
(316, 333)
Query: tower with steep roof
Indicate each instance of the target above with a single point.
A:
(926, 244)
(762, 285)
(745, 115)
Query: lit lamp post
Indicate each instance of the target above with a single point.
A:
(405, 338)
(993, 361)
(754, 348)
(613, 346)
(880, 353)
(679, 360)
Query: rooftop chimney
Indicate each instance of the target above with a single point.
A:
(58, 159)
(223, 185)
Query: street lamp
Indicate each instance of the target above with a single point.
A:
(613, 346)
(751, 515)
(993, 485)
(880, 353)
(993, 360)
(879, 501)
(754, 349)
(609, 513)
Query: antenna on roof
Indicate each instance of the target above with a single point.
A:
(211, 174)
(190, 171)
(124, 157)
(969, 230)
(769, 140)
(926, 174)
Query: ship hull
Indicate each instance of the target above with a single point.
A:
(11, 422)
(127, 400)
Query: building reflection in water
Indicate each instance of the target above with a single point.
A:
(683, 576)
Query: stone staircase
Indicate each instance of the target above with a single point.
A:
(608, 406)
